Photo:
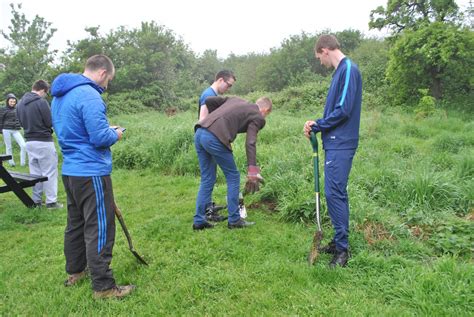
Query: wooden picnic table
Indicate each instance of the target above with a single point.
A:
(16, 181)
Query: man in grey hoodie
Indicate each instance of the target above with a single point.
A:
(34, 114)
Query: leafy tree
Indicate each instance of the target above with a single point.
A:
(28, 58)
(400, 15)
(207, 65)
(245, 69)
(152, 64)
(437, 56)
(349, 40)
(372, 57)
(291, 64)
(430, 49)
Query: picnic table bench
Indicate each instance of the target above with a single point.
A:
(15, 182)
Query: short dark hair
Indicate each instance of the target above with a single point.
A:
(327, 41)
(40, 85)
(225, 74)
(100, 61)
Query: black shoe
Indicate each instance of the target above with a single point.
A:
(340, 258)
(202, 226)
(216, 208)
(240, 224)
(55, 205)
(330, 248)
(212, 213)
(215, 217)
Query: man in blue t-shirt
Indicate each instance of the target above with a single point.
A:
(222, 82)
(339, 129)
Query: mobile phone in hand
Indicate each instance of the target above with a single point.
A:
(120, 129)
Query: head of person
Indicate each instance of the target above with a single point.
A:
(40, 87)
(224, 81)
(264, 105)
(325, 46)
(11, 100)
(100, 69)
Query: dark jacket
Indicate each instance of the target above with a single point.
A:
(8, 119)
(35, 117)
(230, 116)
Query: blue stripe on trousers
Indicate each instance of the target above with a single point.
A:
(100, 209)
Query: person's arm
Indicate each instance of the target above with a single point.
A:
(2, 117)
(101, 135)
(251, 141)
(203, 112)
(254, 178)
(45, 111)
(212, 103)
(344, 101)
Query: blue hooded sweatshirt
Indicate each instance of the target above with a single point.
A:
(81, 125)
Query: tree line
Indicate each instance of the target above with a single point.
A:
(428, 54)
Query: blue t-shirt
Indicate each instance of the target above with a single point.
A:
(209, 92)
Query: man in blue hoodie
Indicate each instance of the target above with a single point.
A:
(339, 129)
(85, 137)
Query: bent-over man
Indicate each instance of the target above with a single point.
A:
(214, 134)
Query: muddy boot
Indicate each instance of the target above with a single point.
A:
(330, 248)
(115, 292)
(75, 278)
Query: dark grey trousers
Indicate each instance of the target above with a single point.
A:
(90, 232)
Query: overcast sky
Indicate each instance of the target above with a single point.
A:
(226, 26)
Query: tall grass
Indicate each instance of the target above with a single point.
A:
(411, 230)
(420, 173)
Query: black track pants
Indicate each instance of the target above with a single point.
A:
(90, 232)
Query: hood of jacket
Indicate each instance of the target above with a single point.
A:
(66, 82)
(29, 97)
(11, 96)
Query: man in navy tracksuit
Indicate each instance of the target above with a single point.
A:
(339, 129)
(85, 137)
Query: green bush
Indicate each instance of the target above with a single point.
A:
(454, 237)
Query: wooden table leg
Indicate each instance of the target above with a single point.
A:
(19, 192)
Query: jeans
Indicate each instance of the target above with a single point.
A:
(337, 167)
(7, 137)
(211, 152)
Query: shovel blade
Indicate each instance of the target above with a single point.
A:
(314, 252)
(139, 258)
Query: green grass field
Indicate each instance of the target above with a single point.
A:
(412, 232)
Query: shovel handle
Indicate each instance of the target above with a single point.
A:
(314, 143)
(118, 213)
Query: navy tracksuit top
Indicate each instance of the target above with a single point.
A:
(339, 126)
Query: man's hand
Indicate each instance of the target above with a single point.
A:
(308, 127)
(118, 131)
(254, 179)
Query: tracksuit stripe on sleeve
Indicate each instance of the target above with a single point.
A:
(346, 83)
(100, 209)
